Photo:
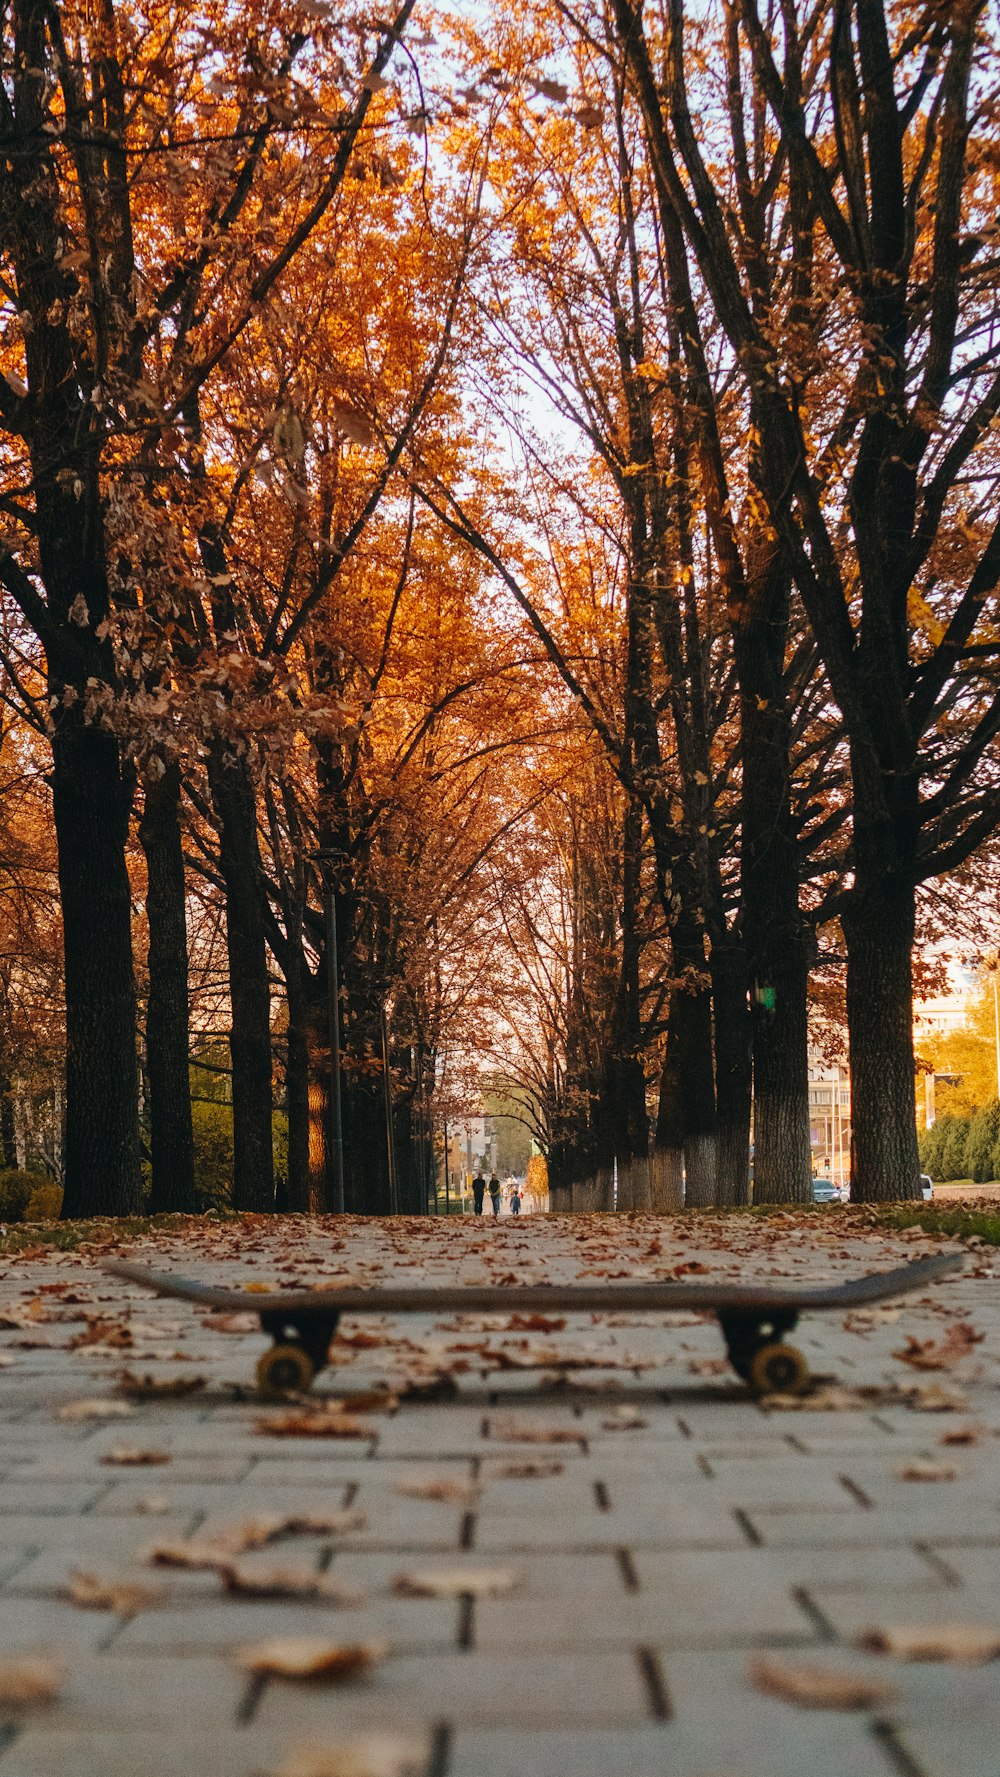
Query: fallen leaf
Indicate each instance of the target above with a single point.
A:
(285, 1582)
(150, 1388)
(29, 1678)
(921, 1470)
(940, 1354)
(445, 1489)
(624, 1419)
(968, 1644)
(817, 1687)
(523, 1471)
(455, 1582)
(153, 1505)
(93, 1593)
(315, 1423)
(336, 1523)
(197, 1557)
(510, 1432)
(962, 1434)
(99, 1409)
(129, 1456)
(373, 1755)
(933, 1397)
(306, 1656)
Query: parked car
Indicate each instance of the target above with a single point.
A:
(825, 1191)
(926, 1187)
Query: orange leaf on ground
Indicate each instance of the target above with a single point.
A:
(309, 1657)
(817, 1687)
(967, 1644)
(29, 1678)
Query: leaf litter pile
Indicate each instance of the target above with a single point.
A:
(177, 1360)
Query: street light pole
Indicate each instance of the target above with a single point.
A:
(333, 986)
(996, 1021)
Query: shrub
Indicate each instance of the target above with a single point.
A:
(981, 1143)
(213, 1154)
(45, 1203)
(16, 1188)
(953, 1149)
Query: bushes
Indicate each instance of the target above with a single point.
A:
(963, 1147)
(17, 1190)
(45, 1203)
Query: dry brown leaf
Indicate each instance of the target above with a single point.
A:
(97, 1409)
(29, 1678)
(921, 1470)
(336, 1523)
(446, 1489)
(315, 1423)
(307, 1656)
(934, 1397)
(624, 1419)
(93, 1593)
(150, 1388)
(940, 1354)
(372, 1755)
(285, 1582)
(817, 1687)
(962, 1434)
(197, 1557)
(510, 1432)
(153, 1505)
(456, 1582)
(130, 1456)
(523, 1471)
(967, 1644)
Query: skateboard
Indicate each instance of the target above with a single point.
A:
(754, 1318)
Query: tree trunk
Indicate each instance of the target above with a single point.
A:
(690, 1029)
(167, 1035)
(297, 1080)
(8, 1130)
(774, 933)
(91, 806)
(249, 988)
(732, 1070)
(879, 928)
(666, 1180)
(318, 1105)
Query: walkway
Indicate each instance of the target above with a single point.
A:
(573, 1550)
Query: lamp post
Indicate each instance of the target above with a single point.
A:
(996, 1019)
(333, 987)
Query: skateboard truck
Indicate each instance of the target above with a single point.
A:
(301, 1349)
(758, 1352)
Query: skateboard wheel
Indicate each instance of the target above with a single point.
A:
(778, 1369)
(285, 1369)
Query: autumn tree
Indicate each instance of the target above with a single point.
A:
(872, 424)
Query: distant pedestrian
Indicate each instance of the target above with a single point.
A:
(495, 1194)
(515, 1199)
(478, 1193)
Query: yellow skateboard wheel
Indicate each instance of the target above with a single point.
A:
(285, 1369)
(778, 1369)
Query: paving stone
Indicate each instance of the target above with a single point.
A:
(469, 1689)
(404, 1622)
(710, 1598)
(50, 1496)
(70, 1752)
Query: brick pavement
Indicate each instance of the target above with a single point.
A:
(679, 1528)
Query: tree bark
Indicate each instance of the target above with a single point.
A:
(318, 1104)
(167, 1034)
(91, 806)
(879, 928)
(775, 935)
(297, 1080)
(731, 1019)
(249, 988)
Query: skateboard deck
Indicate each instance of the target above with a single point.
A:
(753, 1317)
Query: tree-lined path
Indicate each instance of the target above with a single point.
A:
(573, 1547)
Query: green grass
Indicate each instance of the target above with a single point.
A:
(960, 1220)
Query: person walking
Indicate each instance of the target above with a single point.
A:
(515, 1198)
(478, 1193)
(495, 1194)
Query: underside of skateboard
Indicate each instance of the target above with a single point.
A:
(754, 1342)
